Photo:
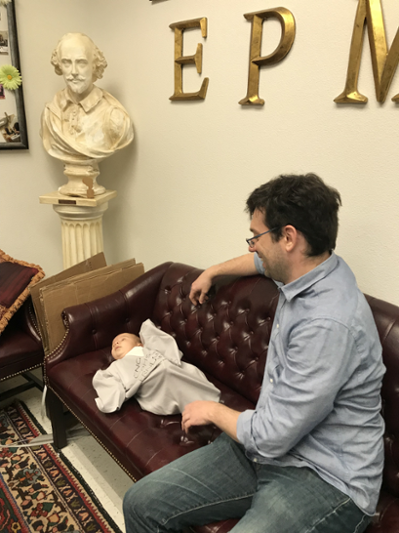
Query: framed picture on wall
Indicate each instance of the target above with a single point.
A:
(13, 132)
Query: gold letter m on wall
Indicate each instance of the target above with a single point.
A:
(384, 61)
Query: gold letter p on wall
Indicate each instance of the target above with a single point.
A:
(287, 21)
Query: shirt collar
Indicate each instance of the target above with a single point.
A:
(87, 103)
(307, 280)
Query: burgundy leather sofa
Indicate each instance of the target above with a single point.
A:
(227, 338)
(21, 349)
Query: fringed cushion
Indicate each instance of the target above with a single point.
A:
(16, 277)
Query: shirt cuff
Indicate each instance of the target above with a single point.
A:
(244, 428)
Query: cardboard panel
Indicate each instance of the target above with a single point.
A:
(93, 263)
(81, 289)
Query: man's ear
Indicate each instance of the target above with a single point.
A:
(290, 237)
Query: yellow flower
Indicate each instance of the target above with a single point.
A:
(10, 77)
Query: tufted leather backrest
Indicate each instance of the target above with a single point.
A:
(227, 336)
(386, 317)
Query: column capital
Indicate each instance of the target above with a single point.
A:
(81, 224)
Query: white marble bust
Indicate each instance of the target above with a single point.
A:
(83, 124)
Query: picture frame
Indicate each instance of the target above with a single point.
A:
(13, 131)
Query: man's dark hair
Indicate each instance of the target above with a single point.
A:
(304, 202)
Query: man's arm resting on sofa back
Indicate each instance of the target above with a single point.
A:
(239, 266)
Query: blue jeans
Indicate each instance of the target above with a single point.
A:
(218, 482)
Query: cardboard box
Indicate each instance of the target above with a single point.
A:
(93, 263)
(78, 289)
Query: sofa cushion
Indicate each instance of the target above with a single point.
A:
(140, 441)
(16, 277)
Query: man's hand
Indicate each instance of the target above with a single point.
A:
(200, 288)
(197, 414)
(201, 413)
(240, 266)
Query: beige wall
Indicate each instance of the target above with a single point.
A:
(182, 185)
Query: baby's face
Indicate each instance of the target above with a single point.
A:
(123, 343)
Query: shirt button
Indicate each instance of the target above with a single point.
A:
(255, 460)
(278, 325)
(271, 380)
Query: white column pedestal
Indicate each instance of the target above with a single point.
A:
(81, 224)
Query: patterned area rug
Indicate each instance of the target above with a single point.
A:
(39, 489)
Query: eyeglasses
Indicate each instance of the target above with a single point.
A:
(252, 241)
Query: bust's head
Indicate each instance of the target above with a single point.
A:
(80, 62)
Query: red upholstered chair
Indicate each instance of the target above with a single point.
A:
(20, 345)
(21, 349)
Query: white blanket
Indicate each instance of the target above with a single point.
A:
(160, 381)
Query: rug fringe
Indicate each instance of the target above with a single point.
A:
(72, 434)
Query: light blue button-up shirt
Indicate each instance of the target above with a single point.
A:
(320, 402)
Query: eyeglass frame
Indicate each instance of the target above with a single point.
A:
(249, 241)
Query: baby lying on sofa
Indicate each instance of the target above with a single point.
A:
(150, 368)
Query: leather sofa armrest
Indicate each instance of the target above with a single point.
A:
(27, 322)
(92, 326)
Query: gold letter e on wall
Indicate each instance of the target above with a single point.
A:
(287, 21)
(181, 60)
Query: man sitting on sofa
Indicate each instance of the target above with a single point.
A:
(309, 457)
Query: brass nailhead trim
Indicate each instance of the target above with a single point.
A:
(21, 372)
(98, 440)
(50, 356)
